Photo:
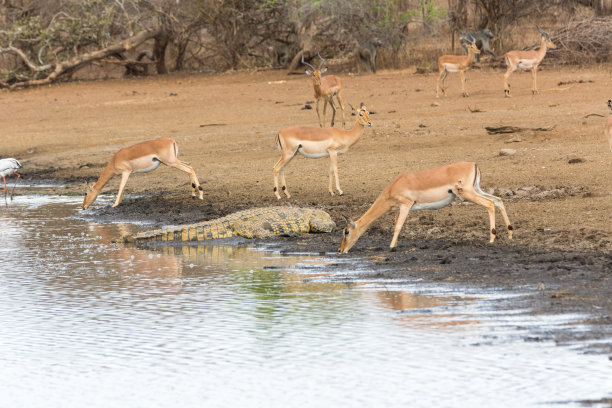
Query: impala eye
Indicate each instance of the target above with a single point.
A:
(346, 232)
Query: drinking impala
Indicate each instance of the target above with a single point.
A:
(141, 158)
(427, 190)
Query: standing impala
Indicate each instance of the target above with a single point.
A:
(325, 88)
(608, 129)
(314, 142)
(141, 158)
(428, 190)
(527, 60)
(454, 63)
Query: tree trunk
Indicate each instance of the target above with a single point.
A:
(159, 52)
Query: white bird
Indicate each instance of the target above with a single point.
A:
(9, 167)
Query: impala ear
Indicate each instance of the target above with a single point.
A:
(89, 186)
(323, 70)
(349, 222)
(362, 105)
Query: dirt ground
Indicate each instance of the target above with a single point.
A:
(556, 187)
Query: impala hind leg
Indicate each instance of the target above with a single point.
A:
(404, 209)
(509, 72)
(500, 205)
(124, 178)
(441, 78)
(279, 170)
(193, 179)
(333, 106)
(488, 203)
(341, 107)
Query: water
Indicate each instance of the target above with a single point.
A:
(88, 323)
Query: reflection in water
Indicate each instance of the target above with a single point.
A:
(88, 323)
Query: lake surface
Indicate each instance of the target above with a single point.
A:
(86, 323)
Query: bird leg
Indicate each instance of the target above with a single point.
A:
(14, 185)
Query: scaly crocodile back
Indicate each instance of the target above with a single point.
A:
(255, 223)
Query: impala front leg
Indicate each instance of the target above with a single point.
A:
(124, 178)
(333, 168)
(464, 91)
(318, 114)
(534, 75)
(404, 209)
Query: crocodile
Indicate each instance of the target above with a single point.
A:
(262, 222)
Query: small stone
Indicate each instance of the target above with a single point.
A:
(507, 152)
(435, 104)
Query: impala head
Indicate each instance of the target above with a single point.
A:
(315, 72)
(473, 47)
(546, 38)
(350, 235)
(90, 196)
(363, 116)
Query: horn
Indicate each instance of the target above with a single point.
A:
(305, 63)
(472, 39)
(322, 60)
(544, 33)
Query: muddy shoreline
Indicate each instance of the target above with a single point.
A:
(551, 281)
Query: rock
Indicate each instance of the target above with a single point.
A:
(515, 139)
(507, 152)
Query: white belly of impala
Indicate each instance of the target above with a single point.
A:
(433, 199)
(451, 68)
(314, 150)
(144, 168)
(525, 64)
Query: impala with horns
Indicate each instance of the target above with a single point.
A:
(527, 60)
(141, 158)
(608, 129)
(427, 190)
(325, 88)
(456, 63)
(314, 142)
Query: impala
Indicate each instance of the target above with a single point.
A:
(527, 60)
(325, 88)
(141, 158)
(314, 142)
(427, 190)
(456, 63)
(608, 130)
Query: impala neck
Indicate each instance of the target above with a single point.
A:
(470, 55)
(107, 174)
(542, 50)
(355, 133)
(380, 207)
